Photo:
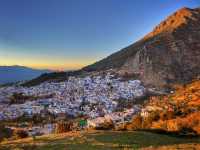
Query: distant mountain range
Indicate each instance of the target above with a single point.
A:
(10, 74)
(168, 55)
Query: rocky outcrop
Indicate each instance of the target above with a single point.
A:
(169, 54)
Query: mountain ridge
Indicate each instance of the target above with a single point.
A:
(15, 73)
(168, 54)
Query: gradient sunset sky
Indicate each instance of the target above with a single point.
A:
(69, 34)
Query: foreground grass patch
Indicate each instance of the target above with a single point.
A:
(108, 140)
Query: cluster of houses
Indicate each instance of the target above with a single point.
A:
(35, 130)
(116, 118)
(94, 96)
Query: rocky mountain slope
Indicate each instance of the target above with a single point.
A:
(169, 54)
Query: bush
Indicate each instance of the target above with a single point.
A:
(108, 124)
(5, 132)
(187, 131)
(135, 124)
(187, 125)
(19, 134)
(62, 127)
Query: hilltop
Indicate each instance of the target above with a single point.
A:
(168, 54)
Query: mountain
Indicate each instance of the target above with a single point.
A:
(169, 54)
(9, 74)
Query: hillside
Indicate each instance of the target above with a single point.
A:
(177, 113)
(167, 55)
(170, 53)
(9, 74)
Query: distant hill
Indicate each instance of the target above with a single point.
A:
(9, 74)
(169, 54)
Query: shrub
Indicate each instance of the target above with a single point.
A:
(135, 124)
(108, 124)
(5, 132)
(20, 134)
(187, 131)
(166, 115)
(63, 126)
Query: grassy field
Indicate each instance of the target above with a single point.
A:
(108, 140)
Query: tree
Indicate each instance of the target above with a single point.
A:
(63, 126)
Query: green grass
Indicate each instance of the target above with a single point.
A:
(108, 140)
(142, 139)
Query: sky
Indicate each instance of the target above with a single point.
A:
(70, 34)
